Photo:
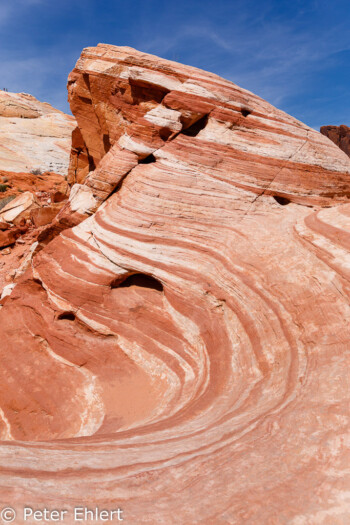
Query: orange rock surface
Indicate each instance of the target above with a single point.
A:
(182, 353)
(15, 183)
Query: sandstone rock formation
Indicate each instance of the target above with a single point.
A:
(340, 135)
(22, 212)
(33, 135)
(182, 352)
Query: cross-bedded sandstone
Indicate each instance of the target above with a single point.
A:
(183, 351)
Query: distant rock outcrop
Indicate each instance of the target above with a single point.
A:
(33, 135)
(183, 352)
(340, 135)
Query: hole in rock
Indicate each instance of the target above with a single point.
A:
(144, 92)
(68, 316)
(245, 112)
(86, 100)
(148, 160)
(92, 165)
(86, 80)
(193, 130)
(283, 201)
(106, 143)
(166, 133)
(139, 279)
(38, 281)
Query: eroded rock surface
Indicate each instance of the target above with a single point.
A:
(340, 135)
(28, 204)
(183, 351)
(33, 135)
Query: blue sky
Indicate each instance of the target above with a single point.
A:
(295, 54)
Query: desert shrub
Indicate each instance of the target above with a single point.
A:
(5, 179)
(36, 171)
(3, 187)
(6, 200)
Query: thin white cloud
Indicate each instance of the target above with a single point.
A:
(259, 49)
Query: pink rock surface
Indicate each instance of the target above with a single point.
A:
(182, 353)
(33, 135)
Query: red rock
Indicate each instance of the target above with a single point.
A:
(9, 237)
(183, 352)
(4, 225)
(58, 196)
(18, 183)
(340, 135)
(79, 164)
(44, 216)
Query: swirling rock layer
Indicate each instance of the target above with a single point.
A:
(182, 353)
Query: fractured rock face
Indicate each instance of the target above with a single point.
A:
(132, 106)
(186, 343)
(33, 135)
(340, 135)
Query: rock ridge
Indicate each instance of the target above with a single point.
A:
(180, 346)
